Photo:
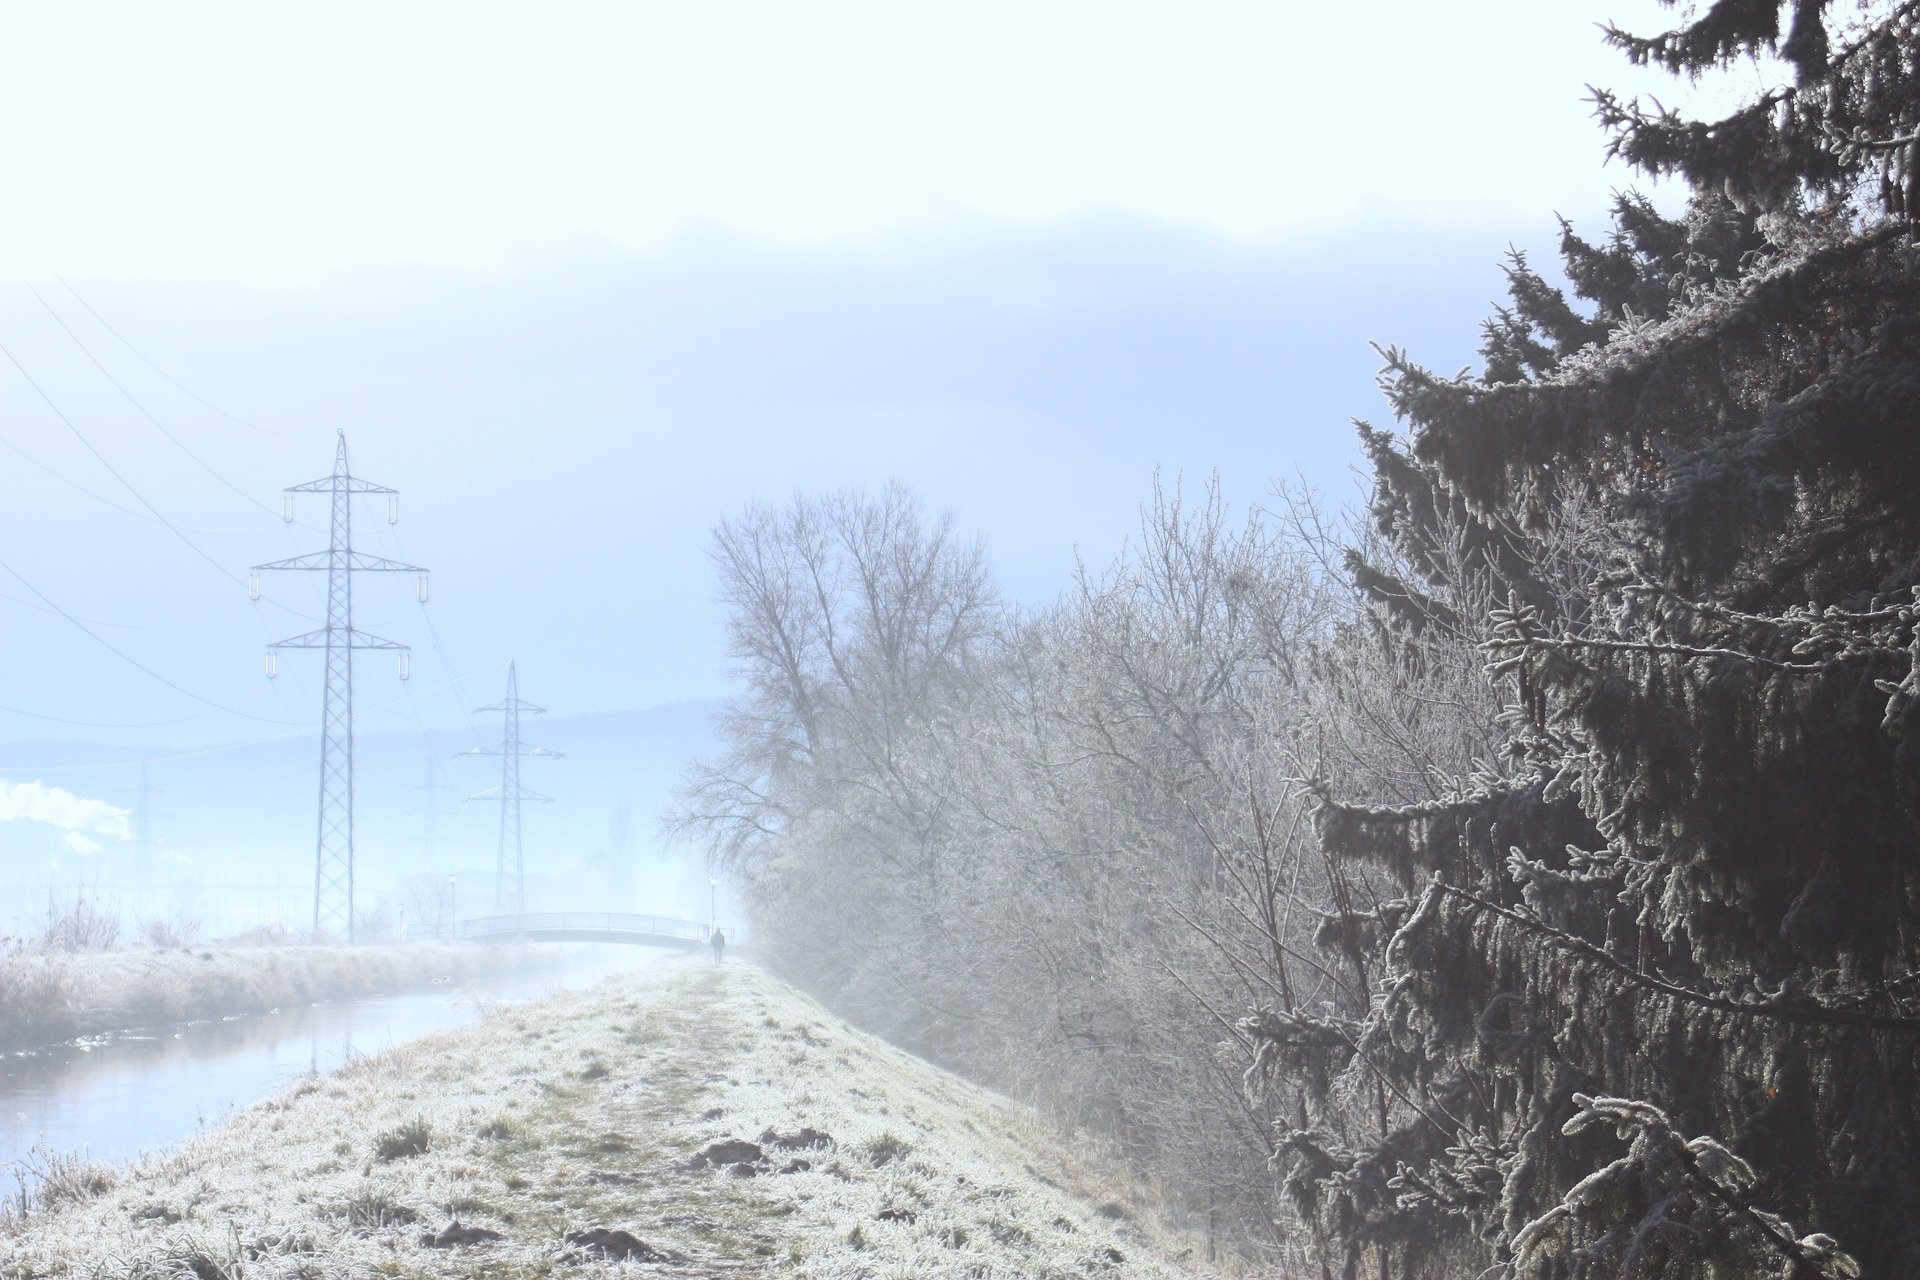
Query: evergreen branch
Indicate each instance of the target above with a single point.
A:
(1466, 803)
(1803, 1012)
(1804, 1262)
(1508, 644)
(1792, 618)
(1516, 634)
(1861, 142)
(1612, 112)
(1387, 1081)
(1822, 1259)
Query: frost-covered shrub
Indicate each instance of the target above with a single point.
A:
(410, 1139)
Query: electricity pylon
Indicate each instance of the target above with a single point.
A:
(143, 816)
(429, 813)
(511, 894)
(333, 845)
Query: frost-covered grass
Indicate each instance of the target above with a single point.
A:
(46, 998)
(585, 1112)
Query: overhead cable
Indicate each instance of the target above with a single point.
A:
(128, 658)
(185, 390)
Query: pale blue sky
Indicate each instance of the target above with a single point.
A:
(583, 279)
(279, 145)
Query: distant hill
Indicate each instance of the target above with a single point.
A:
(233, 829)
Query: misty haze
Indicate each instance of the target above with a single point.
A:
(871, 641)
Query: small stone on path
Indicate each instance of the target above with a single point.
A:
(799, 1138)
(729, 1151)
(618, 1245)
(454, 1236)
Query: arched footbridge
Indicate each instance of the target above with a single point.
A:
(587, 926)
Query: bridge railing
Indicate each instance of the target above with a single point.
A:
(608, 922)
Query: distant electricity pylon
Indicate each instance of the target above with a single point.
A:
(429, 813)
(143, 816)
(143, 794)
(333, 846)
(511, 895)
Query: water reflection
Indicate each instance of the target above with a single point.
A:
(114, 1097)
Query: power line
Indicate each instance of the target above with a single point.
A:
(162, 372)
(96, 622)
(129, 659)
(161, 428)
(391, 534)
(82, 489)
(79, 435)
(261, 617)
(433, 633)
(101, 724)
(132, 400)
(115, 471)
(302, 731)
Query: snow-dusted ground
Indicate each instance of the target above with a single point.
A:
(585, 1112)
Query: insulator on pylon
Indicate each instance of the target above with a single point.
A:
(393, 508)
(406, 666)
(273, 664)
(423, 588)
(253, 586)
(286, 508)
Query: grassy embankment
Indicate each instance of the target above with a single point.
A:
(48, 998)
(588, 1113)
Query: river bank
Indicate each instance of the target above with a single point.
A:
(709, 1121)
(49, 998)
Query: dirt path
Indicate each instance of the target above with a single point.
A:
(698, 1121)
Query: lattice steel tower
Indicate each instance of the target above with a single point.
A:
(511, 895)
(333, 846)
(429, 813)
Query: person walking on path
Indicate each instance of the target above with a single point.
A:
(719, 942)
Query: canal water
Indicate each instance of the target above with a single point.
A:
(111, 1098)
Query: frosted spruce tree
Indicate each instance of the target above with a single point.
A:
(1647, 1002)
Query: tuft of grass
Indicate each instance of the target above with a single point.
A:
(70, 1180)
(232, 1257)
(411, 1139)
(370, 1210)
(63, 1180)
(498, 1129)
(883, 1149)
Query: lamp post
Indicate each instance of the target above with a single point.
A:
(713, 903)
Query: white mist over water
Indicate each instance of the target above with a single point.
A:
(112, 1098)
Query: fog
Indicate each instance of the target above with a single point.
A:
(857, 639)
(570, 382)
(563, 437)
